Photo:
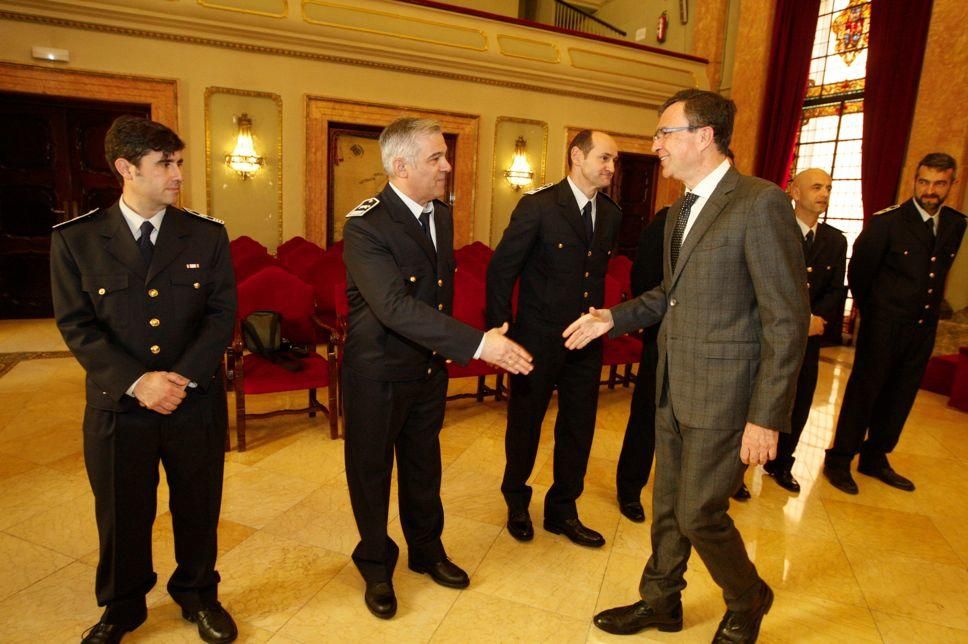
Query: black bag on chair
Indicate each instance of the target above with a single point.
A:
(262, 333)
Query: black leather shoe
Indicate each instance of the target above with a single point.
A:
(841, 479)
(102, 633)
(632, 510)
(380, 599)
(887, 475)
(626, 620)
(214, 623)
(744, 627)
(445, 572)
(576, 532)
(743, 493)
(784, 478)
(519, 525)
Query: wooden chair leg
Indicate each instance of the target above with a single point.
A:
(313, 403)
(628, 375)
(612, 372)
(240, 418)
(480, 389)
(333, 409)
(499, 388)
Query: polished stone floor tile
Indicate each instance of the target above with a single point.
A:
(475, 615)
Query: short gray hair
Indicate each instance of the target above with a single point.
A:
(399, 140)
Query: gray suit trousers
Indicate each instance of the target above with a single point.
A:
(696, 472)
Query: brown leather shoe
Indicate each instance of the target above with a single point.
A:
(627, 620)
(445, 572)
(102, 633)
(743, 627)
(576, 532)
(215, 625)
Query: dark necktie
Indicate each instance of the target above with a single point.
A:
(807, 243)
(929, 223)
(586, 218)
(680, 228)
(144, 242)
(425, 224)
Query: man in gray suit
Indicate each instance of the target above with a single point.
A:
(734, 312)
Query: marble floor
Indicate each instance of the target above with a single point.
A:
(883, 566)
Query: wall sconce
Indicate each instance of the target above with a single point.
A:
(244, 158)
(520, 173)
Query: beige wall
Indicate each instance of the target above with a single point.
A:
(629, 15)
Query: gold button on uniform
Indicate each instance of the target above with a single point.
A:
(931, 275)
(155, 349)
(101, 291)
(196, 285)
(440, 282)
(930, 291)
(585, 295)
(413, 278)
(429, 370)
(152, 292)
(440, 307)
(586, 274)
(589, 253)
(560, 245)
(809, 269)
(905, 252)
(154, 321)
(934, 259)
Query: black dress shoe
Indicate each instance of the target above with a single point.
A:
(632, 510)
(784, 478)
(214, 623)
(626, 620)
(102, 633)
(519, 525)
(744, 627)
(576, 532)
(841, 479)
(887, 475)
(743, 493)
(380, 599)
(445, 572)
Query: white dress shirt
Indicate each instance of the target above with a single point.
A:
(703, 190)
(582, 199)
(925, 216)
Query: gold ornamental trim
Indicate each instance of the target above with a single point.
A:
(626, 61)
(553, 47)
(209, 4)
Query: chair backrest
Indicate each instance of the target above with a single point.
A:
(471, 260)
(299, 261)
(469, 299)
(244, 246)
(323, 274)
(292, 244)
(251, 264)
(620, 267)
(613, 291)
(336, 248)
(275, 289)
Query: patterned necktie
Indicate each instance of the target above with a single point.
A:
(680, 228)
(807, 243)
(586, 218)
(144, 242)
(929, 222)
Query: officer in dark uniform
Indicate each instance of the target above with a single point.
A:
(558, 242)
(638, 447)
(400, 264)
(897, 275)
(825, 252)
(144, 296)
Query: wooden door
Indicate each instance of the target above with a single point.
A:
(633, 187)
(52, 168)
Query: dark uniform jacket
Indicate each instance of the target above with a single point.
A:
(562, 273)
(122, 321)
(897, 270)
(646, 271)
(399, 289)
(826, 265)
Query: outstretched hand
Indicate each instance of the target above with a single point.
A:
(594, 324)
(501, 351)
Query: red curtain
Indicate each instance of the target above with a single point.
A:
(898, 36)
(794, 27)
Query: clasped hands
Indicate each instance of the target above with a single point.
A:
(161, 391)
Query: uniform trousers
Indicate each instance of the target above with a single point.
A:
(638, 447)
(806, 386)
(405, 417)
(696, 472)
(889, 362)
(122, 452)
(576, 374)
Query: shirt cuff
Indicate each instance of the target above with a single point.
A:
(134, 384)
(480, 349)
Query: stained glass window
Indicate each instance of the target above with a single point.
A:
(833, 111)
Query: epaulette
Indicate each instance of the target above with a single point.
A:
(888, 209)
(539, 189)
(365, 206)
(205, 217)
(615, 203)
(75, 219)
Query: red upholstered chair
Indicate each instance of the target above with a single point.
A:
(244, 246)
(959, 388)
(472, 260)
(300, 260)
(620, 267)
(336, 248)
(292, 244)
(623, 350)
(250, 265)
(469, 309)
(274, 289)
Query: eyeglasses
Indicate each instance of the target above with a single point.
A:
(663, 132)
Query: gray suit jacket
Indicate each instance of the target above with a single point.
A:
(734, 313)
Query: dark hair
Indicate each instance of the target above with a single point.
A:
(582, 141)
(132, 137)
(707, 109)
(938, 161)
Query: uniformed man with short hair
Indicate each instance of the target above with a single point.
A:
(558, 242)
(144, 296)
(400, 284)
(897, 275)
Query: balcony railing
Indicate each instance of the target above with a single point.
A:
(568, 16)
